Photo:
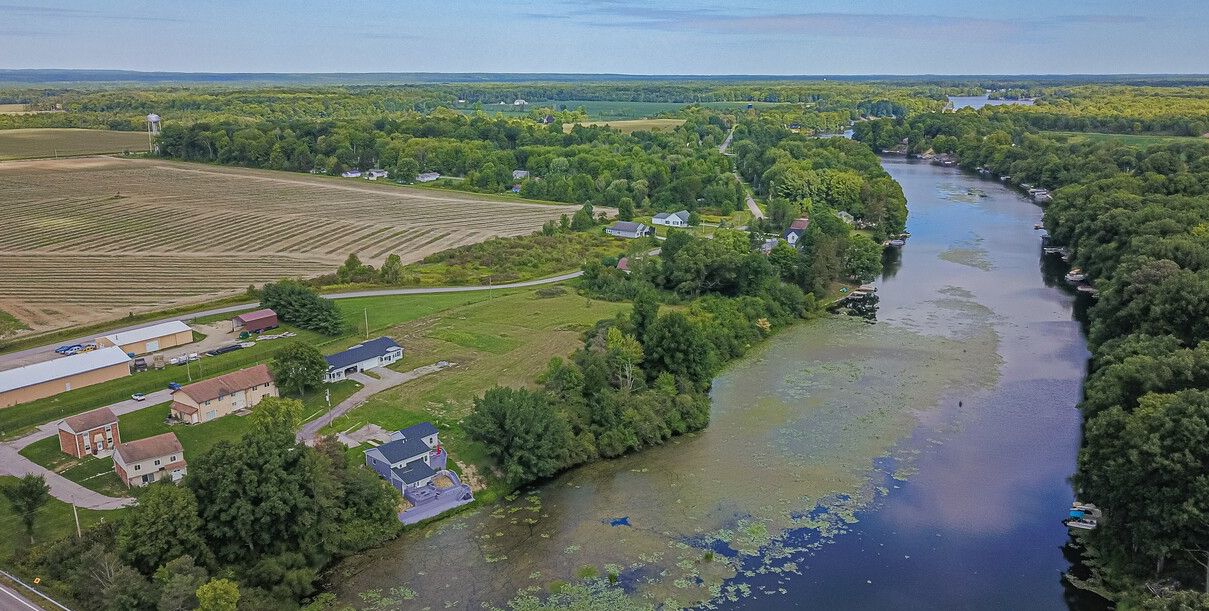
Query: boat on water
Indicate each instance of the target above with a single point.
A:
(896, 243)
(1053, 250)
(1086, 288)
(1083, 516)
(1080, 523)
(1075, 275)
(1038, 226)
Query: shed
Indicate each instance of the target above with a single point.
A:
(255, 321)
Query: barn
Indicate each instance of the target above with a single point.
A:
(149, 339)
(255, 322)
(50, 378)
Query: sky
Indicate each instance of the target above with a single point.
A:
(785, 37)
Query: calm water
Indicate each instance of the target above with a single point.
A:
(978, 101)
(918, 463)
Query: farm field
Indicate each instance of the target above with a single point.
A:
(97, 238)
(631, 126)
(1127, 139)
(37, 143)
(608, 109)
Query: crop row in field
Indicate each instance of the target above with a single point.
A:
(36, 143)
(87, 239)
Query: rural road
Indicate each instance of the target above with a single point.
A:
(726, 143)
(50, 348)
(12, 600)
(369, 388)
(755, 210)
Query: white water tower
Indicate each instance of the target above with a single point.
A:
(153, 128)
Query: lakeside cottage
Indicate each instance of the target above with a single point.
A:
(413, 461)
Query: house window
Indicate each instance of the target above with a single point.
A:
(206, 403)
(138, 467)
(173, 459)
(157, 462)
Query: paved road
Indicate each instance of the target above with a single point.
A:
(50, 348)
(755, 210)
(369, 388)
(726, 143)
(11, 600)
(12, 463)
(50, 429)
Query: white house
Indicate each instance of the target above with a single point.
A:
(375, 174)
(846, 217)
(144, 461)
(671, 219)
(519, 102)
(351, 174)
(374, 353)
(427, 177)
(520, 174)
(795, 232)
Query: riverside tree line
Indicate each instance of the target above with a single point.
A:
(1136, 221)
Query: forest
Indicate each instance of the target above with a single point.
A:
(1135, 220)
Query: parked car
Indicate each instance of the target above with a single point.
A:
(174, 386)
(140, 364)
(177, 360)
(193, 356)
(89, 347)
(65, 349)
(138, 396)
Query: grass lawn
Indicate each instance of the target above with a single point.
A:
(1127, 139)
(506, 342)
(54, 521)
(383, 312)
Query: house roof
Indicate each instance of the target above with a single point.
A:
(46, 371)
(416, 431)
(247, 317)
(627, 226)
(623, 264)
(227, 384)
(361, 352)
(401, 450)
(181, 408)
(414, 471)
(151, 447)
(146, 333)
(89, 420)
(799, 224)
(791, 231)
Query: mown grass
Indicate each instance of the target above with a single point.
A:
(53, 521)
(382, 311)
(10, 324)
(507, 341)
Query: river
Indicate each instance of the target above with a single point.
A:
(915, 463)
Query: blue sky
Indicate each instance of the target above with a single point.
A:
(622, 36)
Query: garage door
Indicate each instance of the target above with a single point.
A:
(153, 345)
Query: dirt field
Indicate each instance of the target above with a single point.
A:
(38, 143)
(95, 238)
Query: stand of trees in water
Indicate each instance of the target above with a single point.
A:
(1136, 221)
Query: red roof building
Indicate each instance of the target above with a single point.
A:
(255, 322)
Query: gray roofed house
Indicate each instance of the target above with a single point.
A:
(414, 472)
(627, 229)
(672, 219)
(520, 174)
(424, 429)
(402, 450)
(366, 355)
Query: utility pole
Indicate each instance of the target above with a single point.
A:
(366, 310)
(77, 515)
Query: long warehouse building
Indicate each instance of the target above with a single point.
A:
(149, 339)
(50, 378)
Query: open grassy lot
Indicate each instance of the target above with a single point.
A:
(631, 126)
(95, 239)
(54, 520)
(383, 312)
(1128, 139)
(506, 341)
(37, 143)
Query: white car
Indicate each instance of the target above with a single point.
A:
(138, 396)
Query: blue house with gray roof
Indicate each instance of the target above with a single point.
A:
(367, 355)
(413, 461)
